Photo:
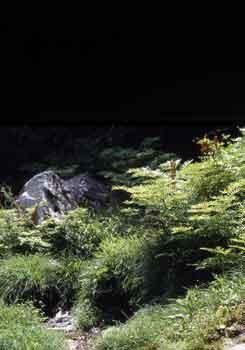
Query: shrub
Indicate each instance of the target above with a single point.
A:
(86, 314)
(202, 207)
(182, 223)
(208, 178)
(18, 234)
(21, 329)
(78, 234)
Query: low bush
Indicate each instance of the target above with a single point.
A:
(79, 233)
(21, 329)
(86, 314)
(19, 235)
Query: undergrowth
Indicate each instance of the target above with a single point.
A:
(40, 279)
(200, 320)
(143, 262)
(21, 328)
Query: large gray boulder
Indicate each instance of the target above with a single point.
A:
(53, 196)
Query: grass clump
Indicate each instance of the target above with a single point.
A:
(110, 284)
(67, 281)
(21, 329)
(46, 282)
(29, 278)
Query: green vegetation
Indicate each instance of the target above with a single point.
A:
(197, 321)
(110, 285)
(40, 279)
(21, 329)
(164, 270)
(27, 278)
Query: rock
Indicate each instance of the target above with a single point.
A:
(237, 347)
(52, 196)
(75, 340)
(61, 321)
(85, 187)
(236, 343)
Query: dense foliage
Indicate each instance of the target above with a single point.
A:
(159, 263)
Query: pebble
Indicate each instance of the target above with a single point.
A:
(236, 343)
(64, 321)
(238, 347)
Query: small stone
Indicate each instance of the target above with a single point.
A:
(62, 321)
(236, 343)
(238, 347)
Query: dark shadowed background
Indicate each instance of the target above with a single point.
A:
(68, 81)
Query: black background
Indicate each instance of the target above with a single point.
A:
(160, 79)
(69, 70)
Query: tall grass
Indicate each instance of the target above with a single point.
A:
(40, 279)
(109, 284)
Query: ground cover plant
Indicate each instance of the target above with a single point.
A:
(21, 328)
